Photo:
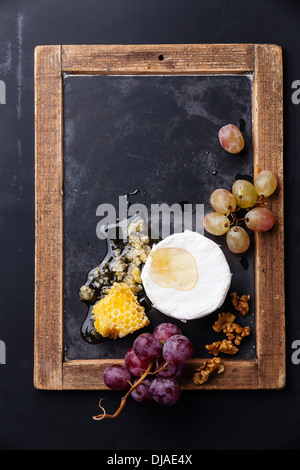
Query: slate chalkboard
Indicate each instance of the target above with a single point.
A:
(159, 135)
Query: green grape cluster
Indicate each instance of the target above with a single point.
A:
(243, 196)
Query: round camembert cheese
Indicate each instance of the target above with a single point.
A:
(186, 276)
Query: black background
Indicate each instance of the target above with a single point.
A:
(34, 420)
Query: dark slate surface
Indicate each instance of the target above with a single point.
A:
(158, 135)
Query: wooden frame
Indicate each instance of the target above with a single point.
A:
(51, 372)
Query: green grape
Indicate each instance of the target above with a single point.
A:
(231, 138)
(265, 183)
(222, 201)
(237, 240)
(216, 224)
(244, 193)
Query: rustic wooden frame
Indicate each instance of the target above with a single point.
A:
(51, 371)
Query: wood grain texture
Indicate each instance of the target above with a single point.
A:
(51, 371)
(238, 375)
(269, 246)
(145, 59)
(49, 224)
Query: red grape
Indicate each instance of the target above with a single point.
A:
(117, 377)
(165, 330)
(178, 349)
(147, 347)
(134, 364)
(260, 219)
(170, 370)
(165, 391)
(142, 391)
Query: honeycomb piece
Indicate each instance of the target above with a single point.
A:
(119, 313)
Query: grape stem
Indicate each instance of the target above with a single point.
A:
(124, 398)
(235, 219)
(161, 368)
(261, 200)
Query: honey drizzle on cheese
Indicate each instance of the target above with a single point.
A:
(173, 268)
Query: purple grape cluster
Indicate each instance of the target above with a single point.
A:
(152, 366)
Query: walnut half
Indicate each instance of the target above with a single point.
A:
(225, 323)
(225, 346)
(223, 319)
(241, 304)
(205, 369)
(235, 332)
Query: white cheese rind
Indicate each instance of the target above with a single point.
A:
(209, 293)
